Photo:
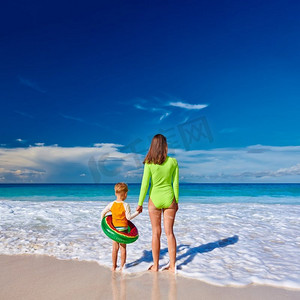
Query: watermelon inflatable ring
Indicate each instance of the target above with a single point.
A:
(120, 237)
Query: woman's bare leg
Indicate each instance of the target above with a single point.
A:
(114, 255)
(155, 217)
(169, 218)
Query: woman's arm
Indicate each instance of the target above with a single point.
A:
(145, 184)
(176, 182)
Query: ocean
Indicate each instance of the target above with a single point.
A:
(227, 234)
(189, 193)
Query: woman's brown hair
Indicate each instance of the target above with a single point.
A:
(157, 153)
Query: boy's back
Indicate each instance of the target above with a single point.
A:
(118, 214)
(121, 213)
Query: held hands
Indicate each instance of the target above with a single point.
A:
(139, 208)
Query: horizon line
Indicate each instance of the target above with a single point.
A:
(90, 183)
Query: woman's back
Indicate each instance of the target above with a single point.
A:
(161, 191)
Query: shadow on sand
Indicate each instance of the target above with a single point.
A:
(189, 253)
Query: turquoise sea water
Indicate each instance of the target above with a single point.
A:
(189, 193)
(227, 234)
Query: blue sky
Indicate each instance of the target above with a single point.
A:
(93, 78)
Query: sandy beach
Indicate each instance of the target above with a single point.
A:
(43, 277)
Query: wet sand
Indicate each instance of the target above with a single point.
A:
(43, 277)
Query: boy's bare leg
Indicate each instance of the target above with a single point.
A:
(123, 255)
(115, 250)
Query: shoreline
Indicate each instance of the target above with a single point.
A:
(31, 276)
(232, 247)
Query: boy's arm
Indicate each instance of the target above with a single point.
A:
(106, 210)
(128, 214)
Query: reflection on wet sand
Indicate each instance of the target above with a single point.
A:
(162, 285)
(118, 282)
(160, 282)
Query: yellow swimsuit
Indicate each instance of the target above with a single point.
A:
(161, 191)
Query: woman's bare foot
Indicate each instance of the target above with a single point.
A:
(122, 268)
(170, 269)
(152, 268)
(114, 268)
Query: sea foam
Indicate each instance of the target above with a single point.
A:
(223, 244)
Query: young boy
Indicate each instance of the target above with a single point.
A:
(120, 216)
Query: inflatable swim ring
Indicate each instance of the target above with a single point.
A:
(120, 237)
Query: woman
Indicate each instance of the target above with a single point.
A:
(162, 169)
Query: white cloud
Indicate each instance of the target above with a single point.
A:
(188, 106)
(293, 170)
(63, 164)
(106, 163)
(80, 120)
(21, 175)
(138, 106)
(24, 114)
(20, 140)
(164, 116)
(150, 108)
(72, 118)
(154, 105)
(163, 107)
(108, 145)
(39, 144)
(33, 85)
(256, 163)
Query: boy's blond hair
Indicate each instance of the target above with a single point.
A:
(121, 187)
